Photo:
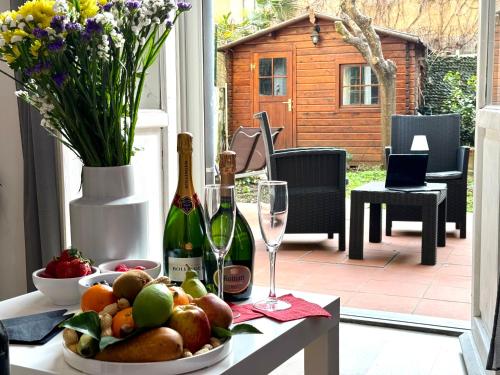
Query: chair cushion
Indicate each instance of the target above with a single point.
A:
(448, 175)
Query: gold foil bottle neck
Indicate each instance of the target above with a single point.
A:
(227, 167)
(184, 142)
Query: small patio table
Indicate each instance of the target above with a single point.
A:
(251, 353)
(432, 203)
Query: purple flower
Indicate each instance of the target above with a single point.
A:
(93, 26)
(38, 68)
(57, 23)
(132, 4)
(40, 33)
(56, 45)
(60, 79)
(183, 6)
(107, 7)
(73, 26)
(169, 24)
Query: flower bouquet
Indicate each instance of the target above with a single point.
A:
(83, 63)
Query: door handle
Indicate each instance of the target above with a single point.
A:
(290, 105)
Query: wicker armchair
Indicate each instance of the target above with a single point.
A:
(316, 185)
(448, 163)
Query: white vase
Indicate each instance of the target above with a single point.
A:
(109, 221)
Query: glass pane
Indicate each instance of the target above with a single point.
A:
(374, 94)
(279, 86)
(280, 66)
(265, 66)
(265, 86)
(374, 79)
(352, 95)
(352, 75)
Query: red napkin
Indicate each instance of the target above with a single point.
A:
(300, 309)
(246, 313)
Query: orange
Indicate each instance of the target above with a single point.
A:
(123, 322)
(97, 297)
(180, 296)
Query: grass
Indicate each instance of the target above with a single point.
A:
(246, 188)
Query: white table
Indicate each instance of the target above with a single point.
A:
(251, 353)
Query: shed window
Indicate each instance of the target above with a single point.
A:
(272, 76)
(359, 85)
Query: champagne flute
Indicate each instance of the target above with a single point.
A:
(219, 215)
(272, 202)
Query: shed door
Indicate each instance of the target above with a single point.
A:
(273, 92)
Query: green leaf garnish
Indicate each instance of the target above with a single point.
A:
(236, 330)
(107, 341)
(87, 322)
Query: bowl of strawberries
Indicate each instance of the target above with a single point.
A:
(58, 280)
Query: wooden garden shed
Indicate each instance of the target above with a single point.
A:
(323, 93)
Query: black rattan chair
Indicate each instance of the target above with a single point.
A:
(316, 185)
(448, 163)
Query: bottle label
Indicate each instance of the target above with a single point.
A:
(236, 279)
(186, 203)
(177, 267)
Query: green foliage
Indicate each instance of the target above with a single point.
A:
(462, 100)
(267, 13)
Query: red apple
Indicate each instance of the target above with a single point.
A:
(218, 312)
(192, 324)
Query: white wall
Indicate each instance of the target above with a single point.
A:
(12, 251)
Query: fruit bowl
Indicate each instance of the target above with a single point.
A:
(151, 267)
(62, 292)
(87, 281)
(178, 366)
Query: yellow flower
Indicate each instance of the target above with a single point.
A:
(7, 13)
(10, 58)
(6, 35)
(35, 47)
(102, 2)
(41, 10)
(88, 8)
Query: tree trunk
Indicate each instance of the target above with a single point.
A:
(387, 109)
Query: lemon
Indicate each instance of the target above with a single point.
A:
(152, 306)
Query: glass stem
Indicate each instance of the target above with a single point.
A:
(220, 276)
(272, 281)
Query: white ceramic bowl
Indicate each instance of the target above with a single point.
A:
(63, 292)
(86, 282)
(152, 268)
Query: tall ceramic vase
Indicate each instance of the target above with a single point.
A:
(109, 221)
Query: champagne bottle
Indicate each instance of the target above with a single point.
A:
(184, 230)
(238, 264)
(4, 351)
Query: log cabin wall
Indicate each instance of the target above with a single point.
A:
(319, 119)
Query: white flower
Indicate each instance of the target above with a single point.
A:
(29, 18)
(16, 39)
(8, 19)
(12, 24)
(22, 94)
(2, 42)
(60, 6)
(142, 41)
(4, 28)
(19, 17)
(21, 25)
(136, 29)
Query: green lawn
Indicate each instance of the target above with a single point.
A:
(360, 177)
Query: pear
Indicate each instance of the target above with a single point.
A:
(192, 284)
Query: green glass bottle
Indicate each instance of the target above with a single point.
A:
(239, 261)
(184, 230)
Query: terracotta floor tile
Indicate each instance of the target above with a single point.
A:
(382, 302)
(454, 281)
(456, 270)
(444, 309)
(448, 293)
(326, 256)
(373, 258)
(465, 260)
(401, 288)
(396, 277)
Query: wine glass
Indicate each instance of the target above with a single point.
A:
(219, 215)
(272, 202)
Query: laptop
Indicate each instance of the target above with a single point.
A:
(406, 172)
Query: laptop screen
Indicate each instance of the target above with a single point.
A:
(406, 170)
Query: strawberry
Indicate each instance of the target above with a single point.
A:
(63, 270)
(121, 268)
(79, 268)
(50, 269)
(70, 254)
(142, 268)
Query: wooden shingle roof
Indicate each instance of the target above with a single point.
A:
(380, 30)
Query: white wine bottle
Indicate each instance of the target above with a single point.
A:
(184, 230)
(239, 261)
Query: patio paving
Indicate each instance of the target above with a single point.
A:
(390, 278)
